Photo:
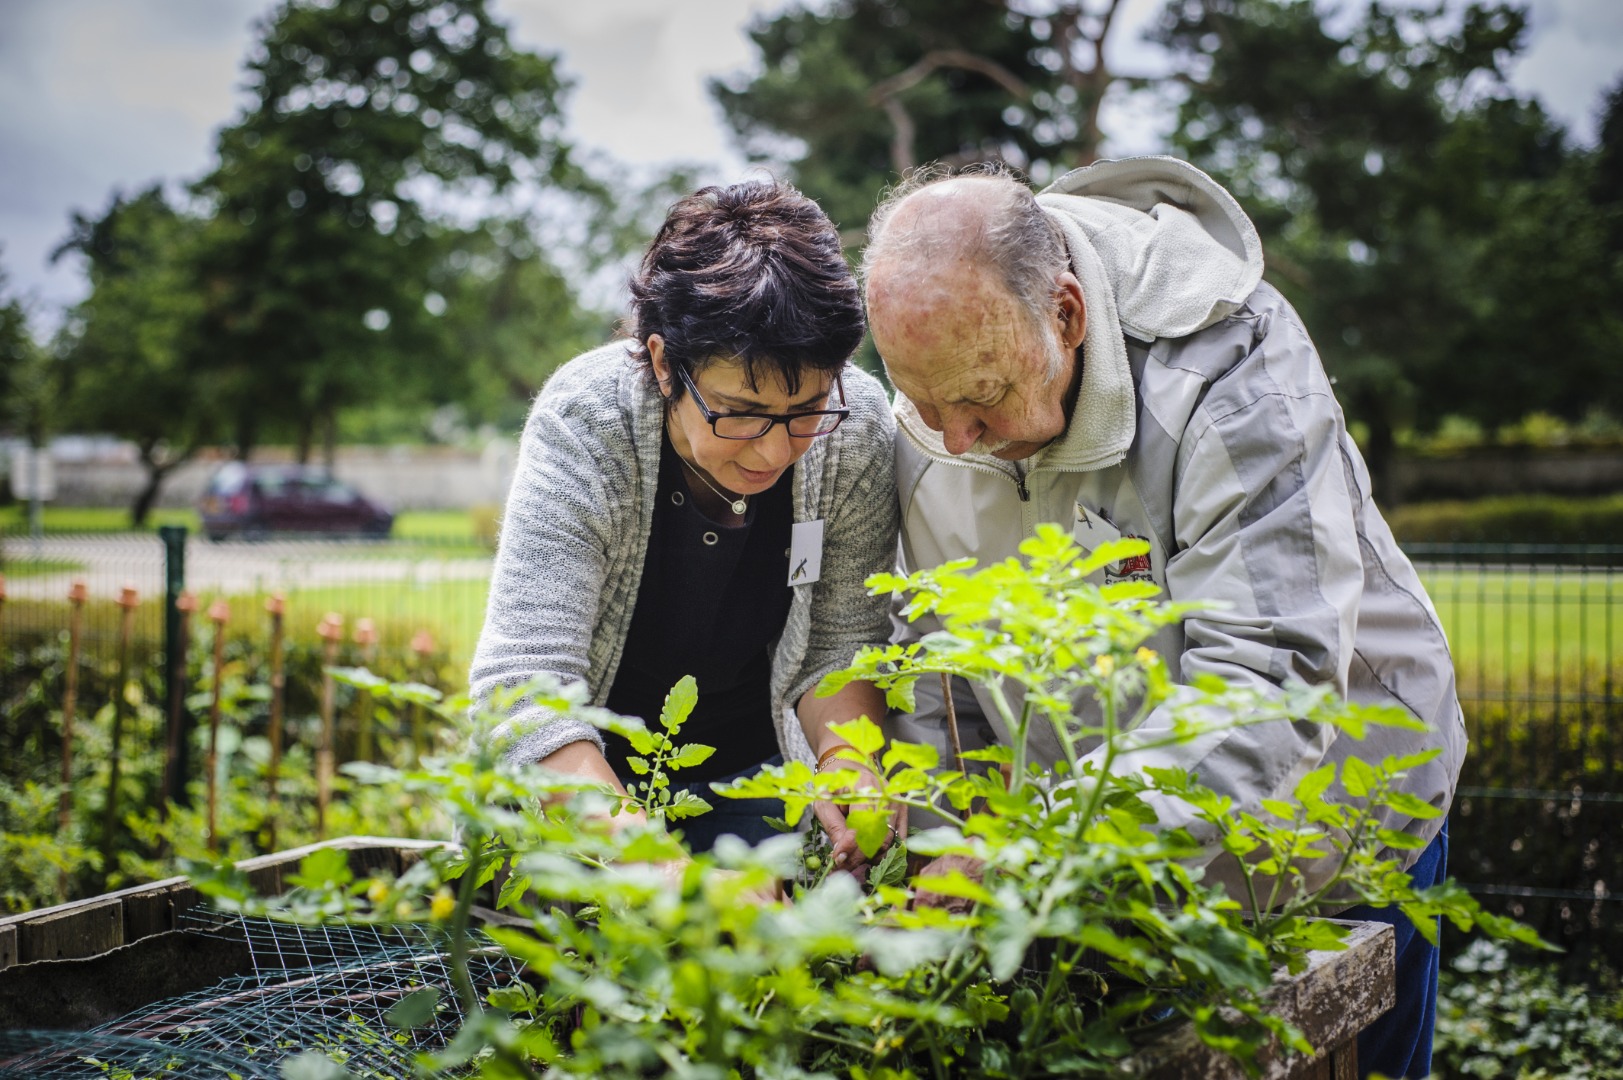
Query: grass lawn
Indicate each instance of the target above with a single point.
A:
(1529, 624)
(97, 519)
(448, 525)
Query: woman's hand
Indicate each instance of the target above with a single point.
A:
(847, 855)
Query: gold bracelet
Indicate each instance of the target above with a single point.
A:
(828, 754)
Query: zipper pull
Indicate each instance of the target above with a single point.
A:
(1020, 482)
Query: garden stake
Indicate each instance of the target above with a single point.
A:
(185, 603)
(219, 613)
(277, 606)
(128, 598)
(331, 630)
(366, 636)
(70, 695)
(422, 643)
(952, 728)
(2, 608)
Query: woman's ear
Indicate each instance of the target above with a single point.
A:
(662, 370)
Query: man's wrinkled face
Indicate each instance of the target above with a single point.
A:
(974, 360)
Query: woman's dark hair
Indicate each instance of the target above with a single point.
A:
(752, 272)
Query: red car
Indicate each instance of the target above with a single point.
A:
(254, 500)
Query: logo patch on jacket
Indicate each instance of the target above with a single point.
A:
(1136, 568)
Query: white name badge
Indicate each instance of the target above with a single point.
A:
(1091, 528)
(806, 552)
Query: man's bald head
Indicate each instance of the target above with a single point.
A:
(987, 220)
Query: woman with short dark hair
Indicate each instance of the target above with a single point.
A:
(705, 499)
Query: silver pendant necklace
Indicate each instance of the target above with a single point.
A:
(737, 503)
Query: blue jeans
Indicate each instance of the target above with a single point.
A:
(1398, 1044)
(743, 818)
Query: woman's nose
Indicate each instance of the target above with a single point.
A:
(776, 447)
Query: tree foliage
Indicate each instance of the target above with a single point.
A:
(128, 359)
(1439, 238)
(337, 198)
(867, 89)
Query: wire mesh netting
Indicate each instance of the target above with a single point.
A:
(327, 989)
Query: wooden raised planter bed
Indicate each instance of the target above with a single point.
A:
(82, 964)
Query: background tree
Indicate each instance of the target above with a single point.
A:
(856, 94)
(337, 194)
(128, 359)
(1435, 229)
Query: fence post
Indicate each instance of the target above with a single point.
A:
(175, 754)
(174, 664)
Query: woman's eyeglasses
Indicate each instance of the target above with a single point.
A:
(803, 425)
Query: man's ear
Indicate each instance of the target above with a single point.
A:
(1073, 312)
(662, 370)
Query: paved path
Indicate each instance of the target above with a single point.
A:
(234, 566)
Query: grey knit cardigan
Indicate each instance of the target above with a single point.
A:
(575, 533)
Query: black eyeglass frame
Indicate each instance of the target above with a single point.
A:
(711, 416)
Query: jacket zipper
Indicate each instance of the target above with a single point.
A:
(1020, 482)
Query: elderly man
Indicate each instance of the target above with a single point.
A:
(1105, 354)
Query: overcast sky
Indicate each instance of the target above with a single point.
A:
(97, 95)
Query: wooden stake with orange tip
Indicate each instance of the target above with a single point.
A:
(128, 599)
(366, 636)
(331, 631)
(277, 606)
(219, 615)
(422, 643)
(70, 702)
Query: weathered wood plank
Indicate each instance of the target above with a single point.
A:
(1337, 996)
(8, 946)
(73, 931)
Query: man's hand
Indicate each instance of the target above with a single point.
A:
(941, 866)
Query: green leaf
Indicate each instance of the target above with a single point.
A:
(326, 868)
(690, 755)
(900, 695)
(1412, 805)
(311, 1065)
(685, 804)
(1311, 788)
(954, 883)
(414, 1010)
(912, 754)
(679, 704)
(872, 827)
(891, 870)
(513, 889)
(641, 739)
(1358, 777)
(638, 765)
(863, 734)
(1399, 840)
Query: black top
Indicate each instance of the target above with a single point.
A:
(712, 603)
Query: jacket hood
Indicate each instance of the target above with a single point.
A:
(1176, 248)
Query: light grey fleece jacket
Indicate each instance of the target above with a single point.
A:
(1206, 425)
(575, 536)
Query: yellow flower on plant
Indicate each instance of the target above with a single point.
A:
(1145, 655)
(378, 891)
(1104, 664)
(443, 904)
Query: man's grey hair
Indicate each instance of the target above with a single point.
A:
(1019, 239)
